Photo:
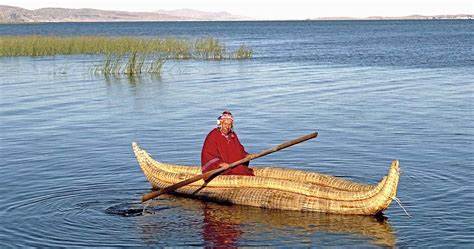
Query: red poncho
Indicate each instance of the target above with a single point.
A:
(218, 148)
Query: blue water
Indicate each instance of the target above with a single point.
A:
(374, 90)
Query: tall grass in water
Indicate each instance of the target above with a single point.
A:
(243, 52)
(207, 48)
(123, 55)
(156, 66)
(132, 64)
(111, 65)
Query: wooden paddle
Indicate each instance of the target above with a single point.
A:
(217, 171)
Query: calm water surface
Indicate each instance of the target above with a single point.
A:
(375, 91)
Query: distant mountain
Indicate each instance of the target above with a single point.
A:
(16, 14)
(202, 15)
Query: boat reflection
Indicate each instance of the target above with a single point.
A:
(219, 231)
(231, 226)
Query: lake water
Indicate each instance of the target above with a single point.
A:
(374, 90)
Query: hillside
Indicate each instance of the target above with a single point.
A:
(16, 14)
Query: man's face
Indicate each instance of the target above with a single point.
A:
(226, 125)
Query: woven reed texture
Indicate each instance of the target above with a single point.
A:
(279, 173)
(329, 194)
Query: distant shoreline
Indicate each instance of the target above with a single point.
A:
(286, 20)
(411, 17)
(12, 14)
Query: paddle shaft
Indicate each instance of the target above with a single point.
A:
(217, 171)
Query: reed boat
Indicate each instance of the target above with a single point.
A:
(277, 188)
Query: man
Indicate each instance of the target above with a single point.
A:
(222, 147)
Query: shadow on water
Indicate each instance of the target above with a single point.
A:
(235, 225)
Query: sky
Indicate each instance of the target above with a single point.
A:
(270, 9)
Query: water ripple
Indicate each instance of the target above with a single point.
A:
(376, 91)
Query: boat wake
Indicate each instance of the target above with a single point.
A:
(133, 210)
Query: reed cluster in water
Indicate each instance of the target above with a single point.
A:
(131, 64)
(172, 48)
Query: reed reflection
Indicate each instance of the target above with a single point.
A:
(233, 226)
(248, 220)
(218, 229)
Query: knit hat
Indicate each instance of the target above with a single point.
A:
(225, 115)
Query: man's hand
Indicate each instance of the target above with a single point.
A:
(223, 165)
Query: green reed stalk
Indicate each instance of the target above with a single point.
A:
(107, 64)
(156, 66)
(209, 48)
(243, 53)
(116, 64)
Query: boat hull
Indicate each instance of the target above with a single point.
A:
(277, 188)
